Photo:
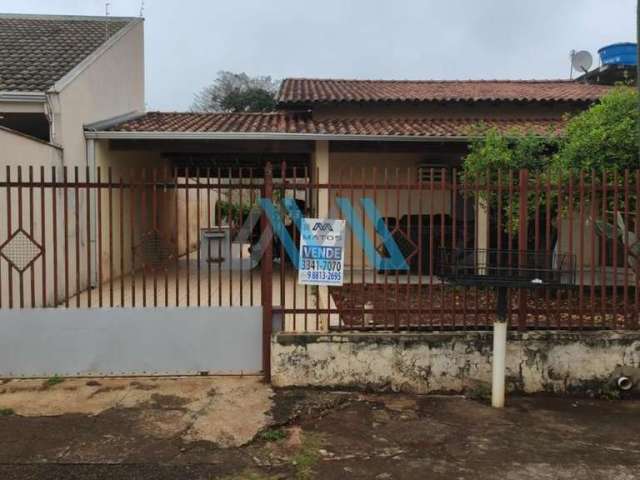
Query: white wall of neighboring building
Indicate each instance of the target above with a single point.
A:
(18, 149)
(112, 85)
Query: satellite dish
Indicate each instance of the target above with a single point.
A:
(581, 61)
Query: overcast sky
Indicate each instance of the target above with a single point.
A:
(188, 41)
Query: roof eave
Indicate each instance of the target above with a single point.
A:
(309, 104)
(158, 135)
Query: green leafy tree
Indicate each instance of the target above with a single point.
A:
(237, 92)
(603, 138)
(495, 158)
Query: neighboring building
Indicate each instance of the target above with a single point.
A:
(58, 73)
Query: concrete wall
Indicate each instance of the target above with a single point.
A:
(21, 150)
(112, 85)
(454, 362)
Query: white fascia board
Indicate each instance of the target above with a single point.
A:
(262, 136)
(95, 55)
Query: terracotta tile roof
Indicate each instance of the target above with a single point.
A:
(287, 123)
(38, 50)
(314, 91)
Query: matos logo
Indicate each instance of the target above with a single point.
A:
(323, 227)
(321, 231)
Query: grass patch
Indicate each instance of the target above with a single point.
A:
(51, 381)
(307, 457)
(6, 412)
(273, 435)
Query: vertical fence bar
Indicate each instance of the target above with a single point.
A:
(570, 195)
(132, 222)
(176, 223)
(32, 273)
(293, 237)
(407, 300)
(87, 178)
(99, 234)
(581, 256)
(219, 223)
(20, 228)
(431, 252)
(266, 274)
(110, 213)
(283, 193)
(171, 251)
(625, 253)
(159, 260)
(54, 233)
(65, 221)
(208, 241)
(187, 180)
(121, 236)
(198, 236)
(592, 289)
(603, 252)
(636, 316)
(522, 243)
(76, 196)
(559, 217)
(454, 231)
(307, 201)
(615, 248)
(145, 233)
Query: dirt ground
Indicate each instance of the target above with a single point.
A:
(304, 434)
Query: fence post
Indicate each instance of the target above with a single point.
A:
(523, 221)
(266, 263)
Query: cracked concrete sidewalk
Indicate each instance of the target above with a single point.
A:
(227, 411)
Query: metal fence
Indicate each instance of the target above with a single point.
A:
(74, 238)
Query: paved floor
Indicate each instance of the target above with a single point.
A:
(307, 434)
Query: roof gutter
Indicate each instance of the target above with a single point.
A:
(23, 97)
(267, 136)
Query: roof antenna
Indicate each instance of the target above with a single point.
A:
(141, 8)
(106, 23)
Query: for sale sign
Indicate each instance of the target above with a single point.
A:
(321, 252)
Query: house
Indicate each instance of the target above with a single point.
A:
(58, 73)
(72, 94)
(342, 129)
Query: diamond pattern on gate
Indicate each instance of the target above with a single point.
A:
(407, 246)
(20, 250)
(154, 251)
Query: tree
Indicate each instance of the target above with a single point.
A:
(237, 92)
(603, 138)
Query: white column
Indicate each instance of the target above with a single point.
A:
(498, 364)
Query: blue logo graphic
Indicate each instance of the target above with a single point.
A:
(395, 261)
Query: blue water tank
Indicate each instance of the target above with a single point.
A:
(619, 54)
